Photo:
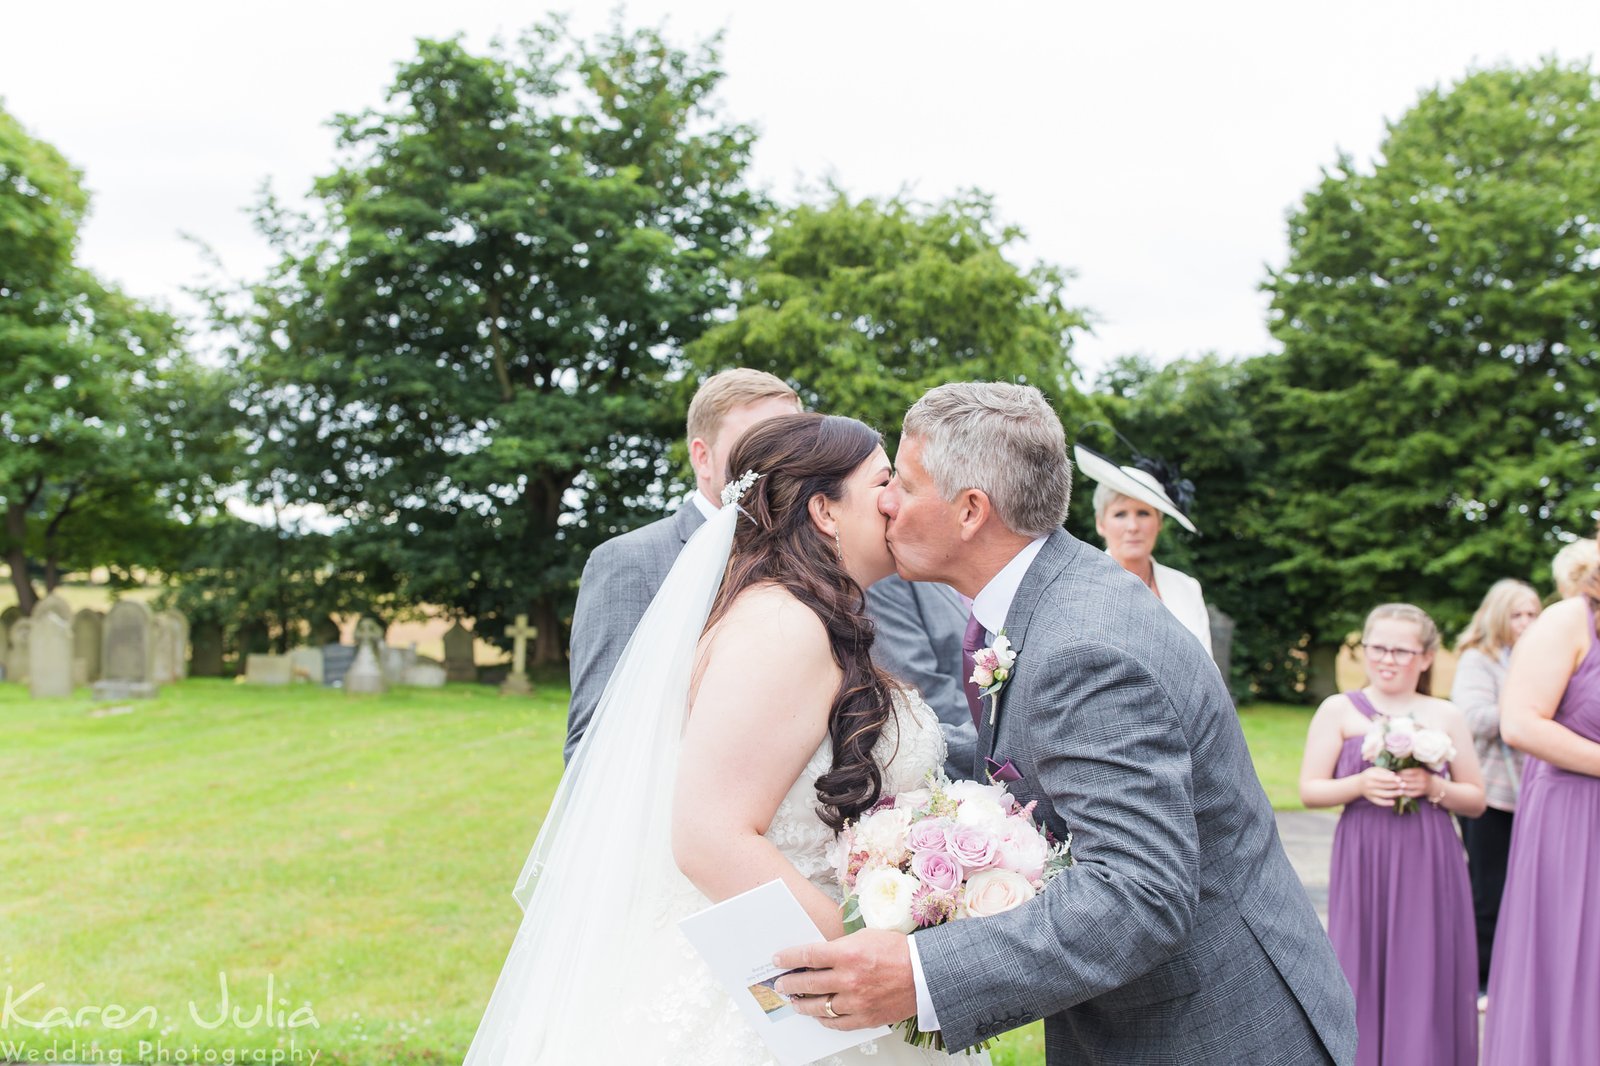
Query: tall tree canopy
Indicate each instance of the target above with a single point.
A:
(1433, 413)
(867, 304)
(109, 432)
(466, 348)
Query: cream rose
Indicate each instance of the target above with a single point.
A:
(994, 892)
(883, 833)
(885, 897)
(1432, 748)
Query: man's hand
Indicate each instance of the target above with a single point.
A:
(865, 977)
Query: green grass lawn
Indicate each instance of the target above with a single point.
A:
(358, 853)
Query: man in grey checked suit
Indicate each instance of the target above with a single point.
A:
(1182, 934)
(624, 574)
(919, 629)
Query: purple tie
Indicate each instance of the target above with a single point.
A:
(971, 641)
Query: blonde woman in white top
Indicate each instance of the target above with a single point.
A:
(1129, 508)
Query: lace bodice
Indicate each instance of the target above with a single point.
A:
(910, 746)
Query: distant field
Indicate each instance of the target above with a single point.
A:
(356, 852)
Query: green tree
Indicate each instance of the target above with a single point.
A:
(111, 432)
(1433, 412)
(465, 348)
(864, 305)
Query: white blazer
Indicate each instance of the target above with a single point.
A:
(1181, 594)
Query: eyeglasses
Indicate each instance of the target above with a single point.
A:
(1401, 656)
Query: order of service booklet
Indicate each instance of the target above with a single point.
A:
(738, 938)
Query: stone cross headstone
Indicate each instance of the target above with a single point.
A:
(517, 684)
(305, 664)
(17, 654)
(459, 664)
(87, 626)
(365, 676)
(261, 668)
(368, 631)
(49, 656)
(336, 660)
(125, 653)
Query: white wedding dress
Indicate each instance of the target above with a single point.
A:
(599, 971)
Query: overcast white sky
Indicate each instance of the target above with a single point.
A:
(1151, 148)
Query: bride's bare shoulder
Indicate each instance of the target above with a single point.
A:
(772, 620)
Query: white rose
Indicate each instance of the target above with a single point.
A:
(961, 791)
(884, 832)
(1002, 651)
(1403, 724)
(995, 891)
(885, 897)
(910, 801)
(1432, 748)
(1023, 850)
(982, 813)
(1372, 743)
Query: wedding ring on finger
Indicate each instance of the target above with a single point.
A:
(827, 1007)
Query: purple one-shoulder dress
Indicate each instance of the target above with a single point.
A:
(1544, 985)
(1400, 918)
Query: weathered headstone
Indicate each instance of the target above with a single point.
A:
(368, 631)
(180, 642)
(205, 650)
(305, 664)
(1322, 678)
(459, 664)
(17, 654)
(49, 656)
(336, 660)
(395, 662)
(54, 604)
(364, 675)
(87, 627)
(1221, 640)
(262, 668)
(163, 650)
(126, 646)
(517, 684)
(424, 675)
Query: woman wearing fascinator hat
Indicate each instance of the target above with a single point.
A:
(1129, 502)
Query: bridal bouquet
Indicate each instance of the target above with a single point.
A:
(1400, 744)
(939, 854)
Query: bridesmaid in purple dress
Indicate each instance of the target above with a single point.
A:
(1399, 902)
(1544, 986)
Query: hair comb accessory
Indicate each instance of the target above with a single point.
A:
(734, 491)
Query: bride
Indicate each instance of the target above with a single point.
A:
(743, 726)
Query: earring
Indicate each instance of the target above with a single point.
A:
(838, 545)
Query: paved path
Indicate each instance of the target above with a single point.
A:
(1308, 838)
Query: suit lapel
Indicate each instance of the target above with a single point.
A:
(1058, 552)
(687, 520)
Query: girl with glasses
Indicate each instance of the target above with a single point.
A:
(1399, 905)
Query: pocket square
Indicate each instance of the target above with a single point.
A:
(1002, 771)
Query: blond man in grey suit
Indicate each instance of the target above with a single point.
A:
(1182, 933)
(624, 574)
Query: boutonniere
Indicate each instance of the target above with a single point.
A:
(991, 669)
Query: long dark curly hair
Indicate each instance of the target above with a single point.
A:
(798, 457)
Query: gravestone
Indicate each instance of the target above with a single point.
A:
(1322, 679)
(205, 650)
(368, 631)
(1221, 640)
(365, 676)
(49, 656)
(517, 684)
(459, 664)
(305, 664)
(263, 668)
(17, 654)
(179, 644)
(394, 662)
(87, 627)
(163, 650)
(424, 675)
(126, 647)
(53, 604)
(336, 660)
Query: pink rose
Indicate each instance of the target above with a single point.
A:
(971, 846)
(1023, 850)
(981, 677)
(928, 835)
(996, 891)
(1398, 743)
(986, 659)
(937, 870)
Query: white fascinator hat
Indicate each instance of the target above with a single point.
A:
(1132, 482)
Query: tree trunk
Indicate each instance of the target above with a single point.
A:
(17, 557)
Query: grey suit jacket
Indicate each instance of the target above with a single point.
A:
(920, 625)
(620, 579)
(1182, 934)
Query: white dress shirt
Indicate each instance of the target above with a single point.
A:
(990, 608)
(708, 510)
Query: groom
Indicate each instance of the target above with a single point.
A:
(1182, 934)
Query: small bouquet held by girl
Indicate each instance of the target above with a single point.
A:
(939, 854)
(1400, 744)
